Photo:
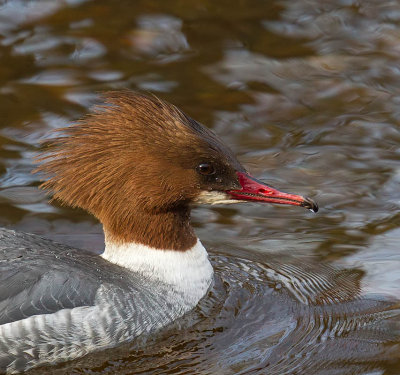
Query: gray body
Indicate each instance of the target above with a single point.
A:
(58, 303)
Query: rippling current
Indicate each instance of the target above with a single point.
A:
(279, 317)
(306, 92)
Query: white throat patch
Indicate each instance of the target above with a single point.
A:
(215, 197)
(188, 272)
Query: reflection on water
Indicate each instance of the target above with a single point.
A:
(307, 94)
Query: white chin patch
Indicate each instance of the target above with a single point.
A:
(215, 197)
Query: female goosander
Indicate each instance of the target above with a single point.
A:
(137, 163)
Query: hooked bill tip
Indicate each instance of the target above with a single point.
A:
(310, 204)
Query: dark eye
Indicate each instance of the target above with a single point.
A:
(206, 169)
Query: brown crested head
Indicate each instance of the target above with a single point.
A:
(136, 163)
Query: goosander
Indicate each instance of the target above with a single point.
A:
(136, 163)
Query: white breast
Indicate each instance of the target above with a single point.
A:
(188, 272)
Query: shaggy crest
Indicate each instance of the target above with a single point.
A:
(131, 163)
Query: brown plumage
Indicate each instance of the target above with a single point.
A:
(132, 163)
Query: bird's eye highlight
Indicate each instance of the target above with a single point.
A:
(206, 169)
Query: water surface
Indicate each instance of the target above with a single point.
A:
(307, 94)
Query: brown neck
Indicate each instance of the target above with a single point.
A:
(168, 230)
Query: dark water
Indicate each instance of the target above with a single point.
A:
(307, 93)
